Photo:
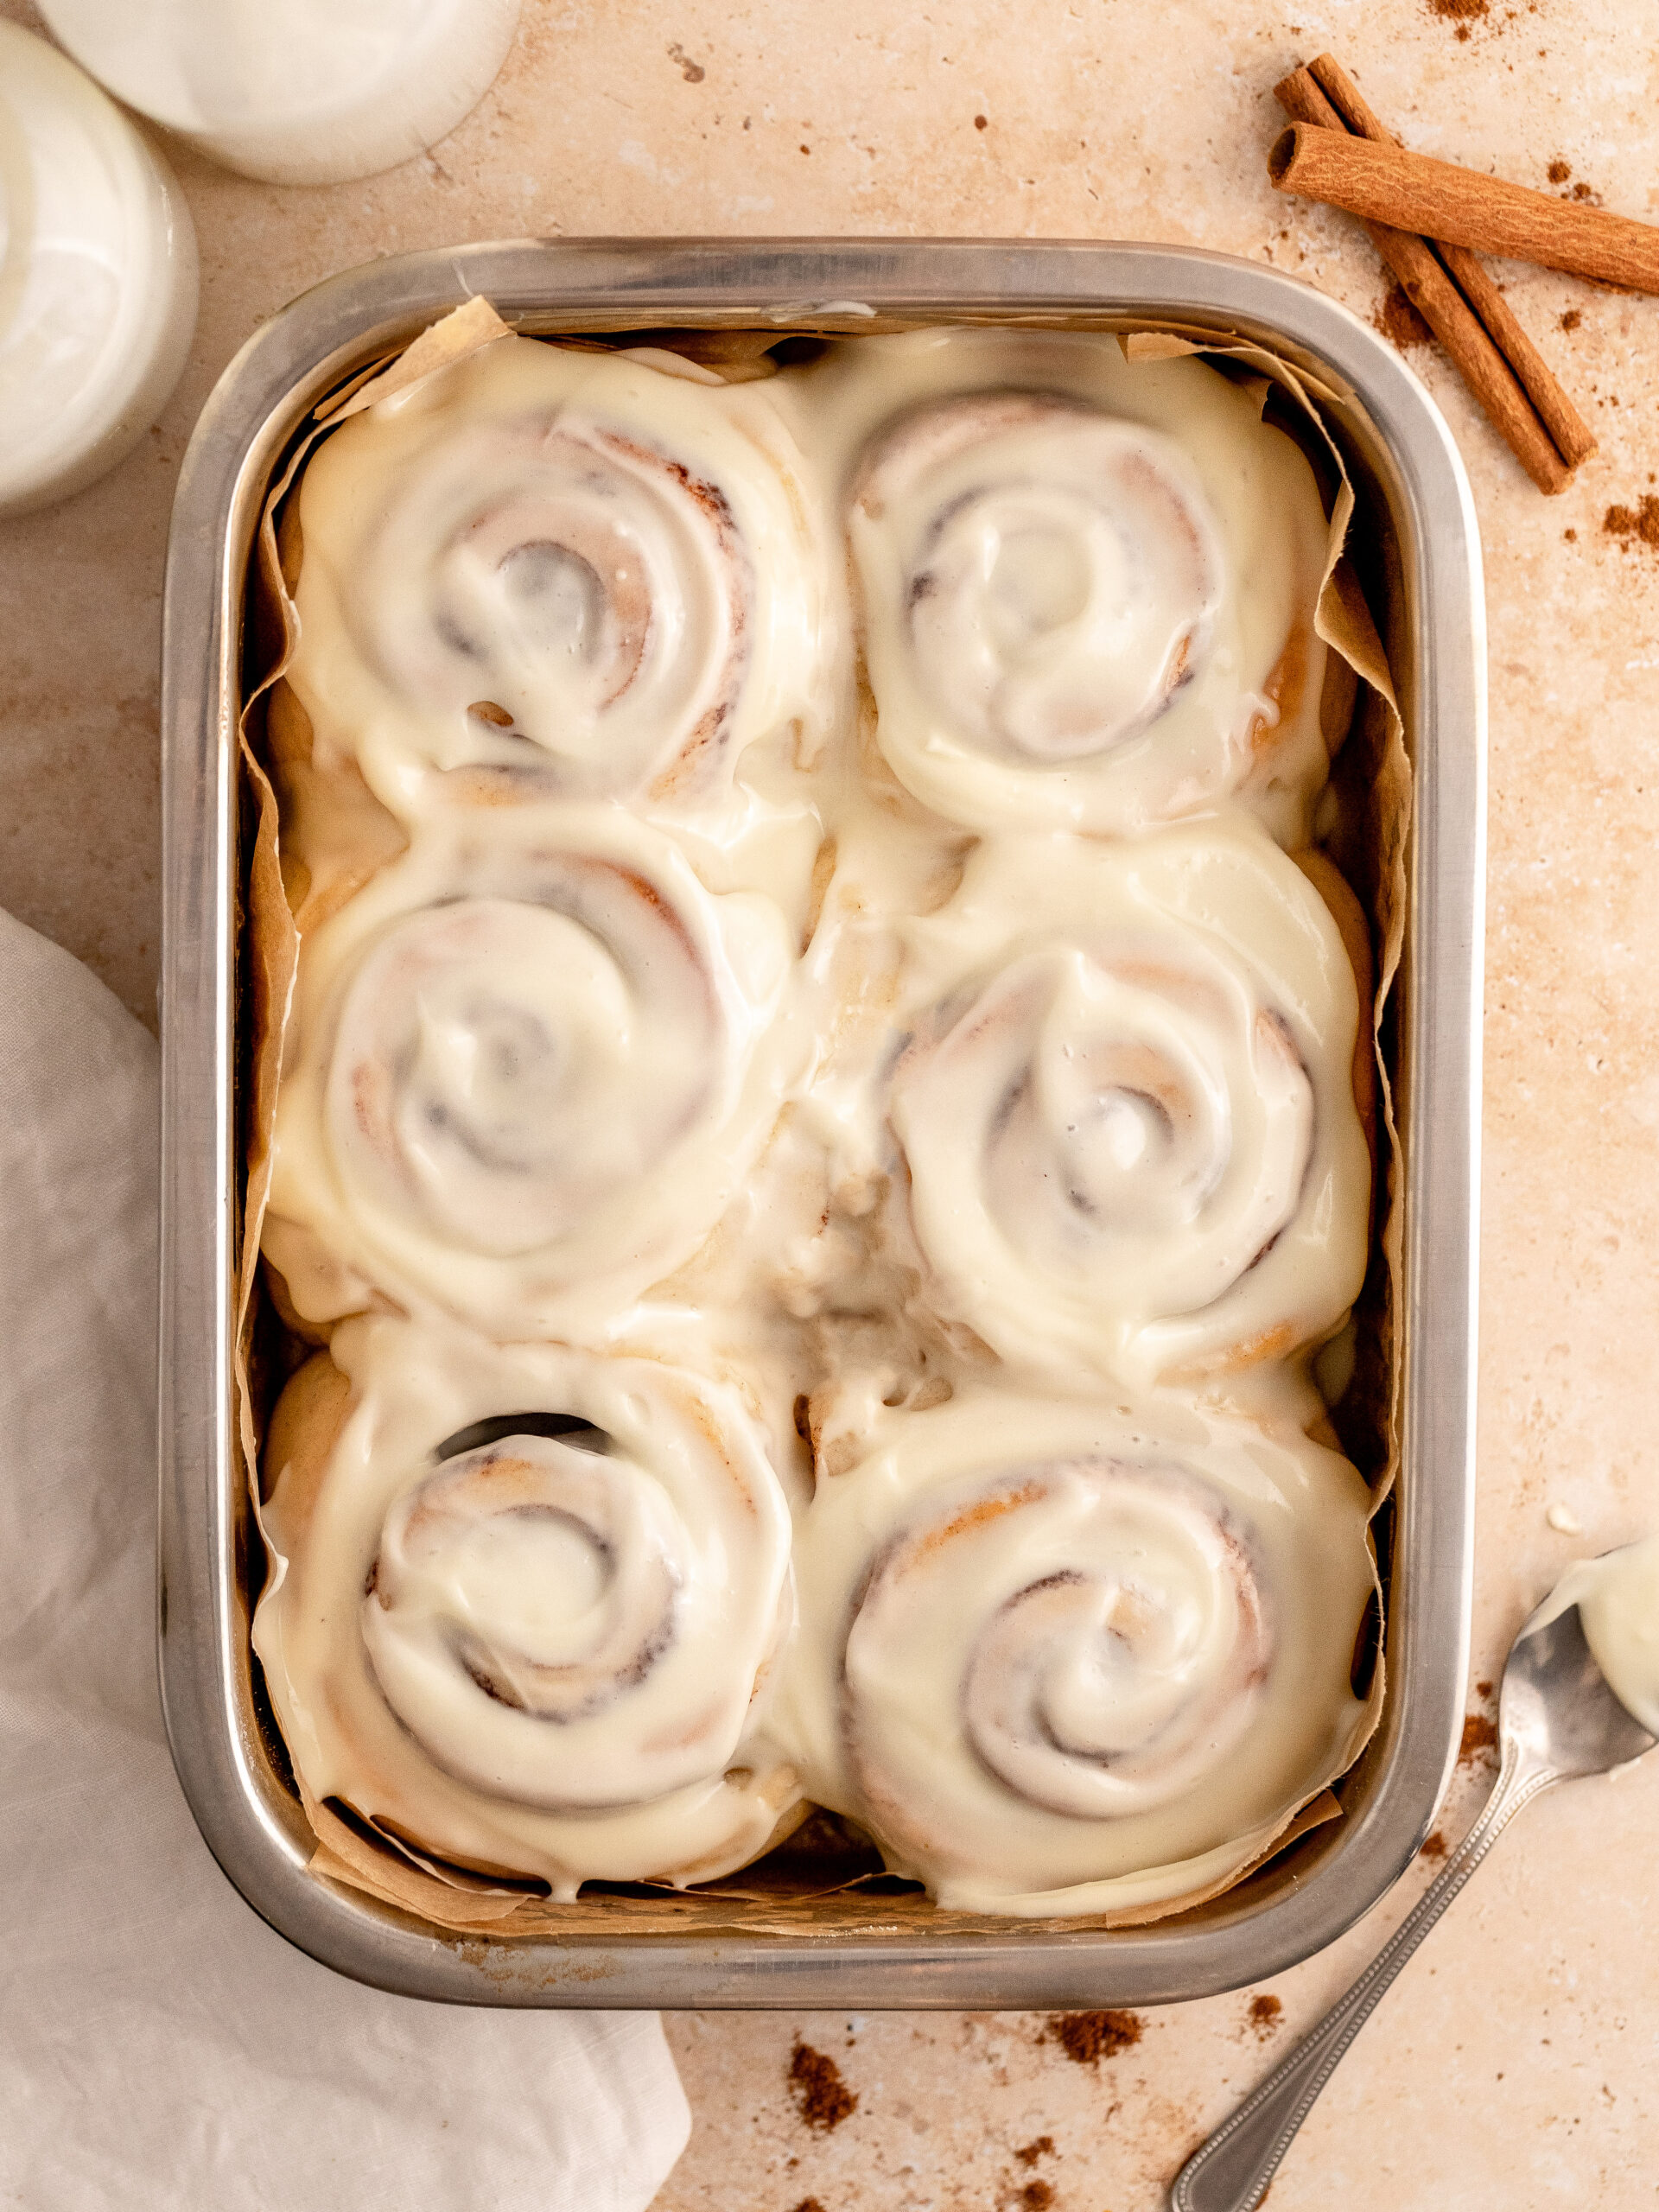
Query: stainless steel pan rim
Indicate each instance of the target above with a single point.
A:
(250, 1820)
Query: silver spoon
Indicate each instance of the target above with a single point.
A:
(1557, 1719)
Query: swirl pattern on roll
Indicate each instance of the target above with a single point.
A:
(529, 1605)
(535, 1059)
(1127, 1105)
(1063, 1659)
(550, 572)
(1087, 587)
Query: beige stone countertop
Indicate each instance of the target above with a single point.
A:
(1516, 2066)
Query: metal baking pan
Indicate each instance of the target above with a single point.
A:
(1414, 486)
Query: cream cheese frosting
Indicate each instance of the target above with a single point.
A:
(1066, 1657)
(526, 1607)
(529, 1065)
(1618, 1598)
(558, 572)
(1086, 586)
(843, 1017)
(1126, 1103)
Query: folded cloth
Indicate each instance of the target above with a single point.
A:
(159, 2045)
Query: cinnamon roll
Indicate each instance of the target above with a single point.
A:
(526, 1605)
(555, 572)
(1065, 1658)
(529, 1064)
(1127, 1105)
(1088, 587)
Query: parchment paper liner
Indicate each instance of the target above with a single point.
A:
(1371, 779)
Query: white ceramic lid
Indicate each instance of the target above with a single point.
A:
(297, 91)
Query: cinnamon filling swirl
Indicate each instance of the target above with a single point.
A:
(528, 1585)
(545, 1653)
(1127, 1107)
(1060, 572)
(1098, 1690)
(1070, 614)
(529, 1062)
(556, 573)
(487, 1074)
(596, 593)
(1075, 1659)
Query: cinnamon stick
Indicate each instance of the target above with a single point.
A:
(1439, 199)
(1572, 434)
(1444, 309)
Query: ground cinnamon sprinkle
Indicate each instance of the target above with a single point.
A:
(1558, 172)
(808, 2204)
(1087, 2037)
(822, 2098)
(1396, 318)
(1571, 319)
(1480, 1733)
(1266, 2011)
(1463, 13)
(1634, 525)
(1037, 2196)
(1028, 2153)
(1433, 1848)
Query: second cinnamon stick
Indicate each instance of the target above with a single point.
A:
(1443, 308)
(1438, 200)
(1574, 437)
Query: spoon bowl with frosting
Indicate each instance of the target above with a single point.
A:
(1580, 1696)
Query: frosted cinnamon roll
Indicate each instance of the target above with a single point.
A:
(1127, 1104)
(1088, 587)
(526, 1606)
(545, 571)
(1064, 1658)
(529, 1065)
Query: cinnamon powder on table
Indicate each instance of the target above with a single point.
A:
(1636, 525)
(822, 2098)
(1479, 1735)
(1087, 2037)
(1396, 318)
(1461, 12)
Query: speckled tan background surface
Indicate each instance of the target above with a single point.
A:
(1516, 2066)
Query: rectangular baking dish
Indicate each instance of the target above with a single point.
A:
(1407, 470)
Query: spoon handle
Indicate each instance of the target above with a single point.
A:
(1230, 2172)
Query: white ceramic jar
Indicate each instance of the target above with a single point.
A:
(294, 91)
(98, 278)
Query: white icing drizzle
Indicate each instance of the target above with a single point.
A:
(1072, 614)
(1063, 1658)
(541, 1655)
(1127, 1105)
(547, 571)
(1618, 1598)
(530, 1063)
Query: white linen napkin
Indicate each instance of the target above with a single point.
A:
(159, 2046)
